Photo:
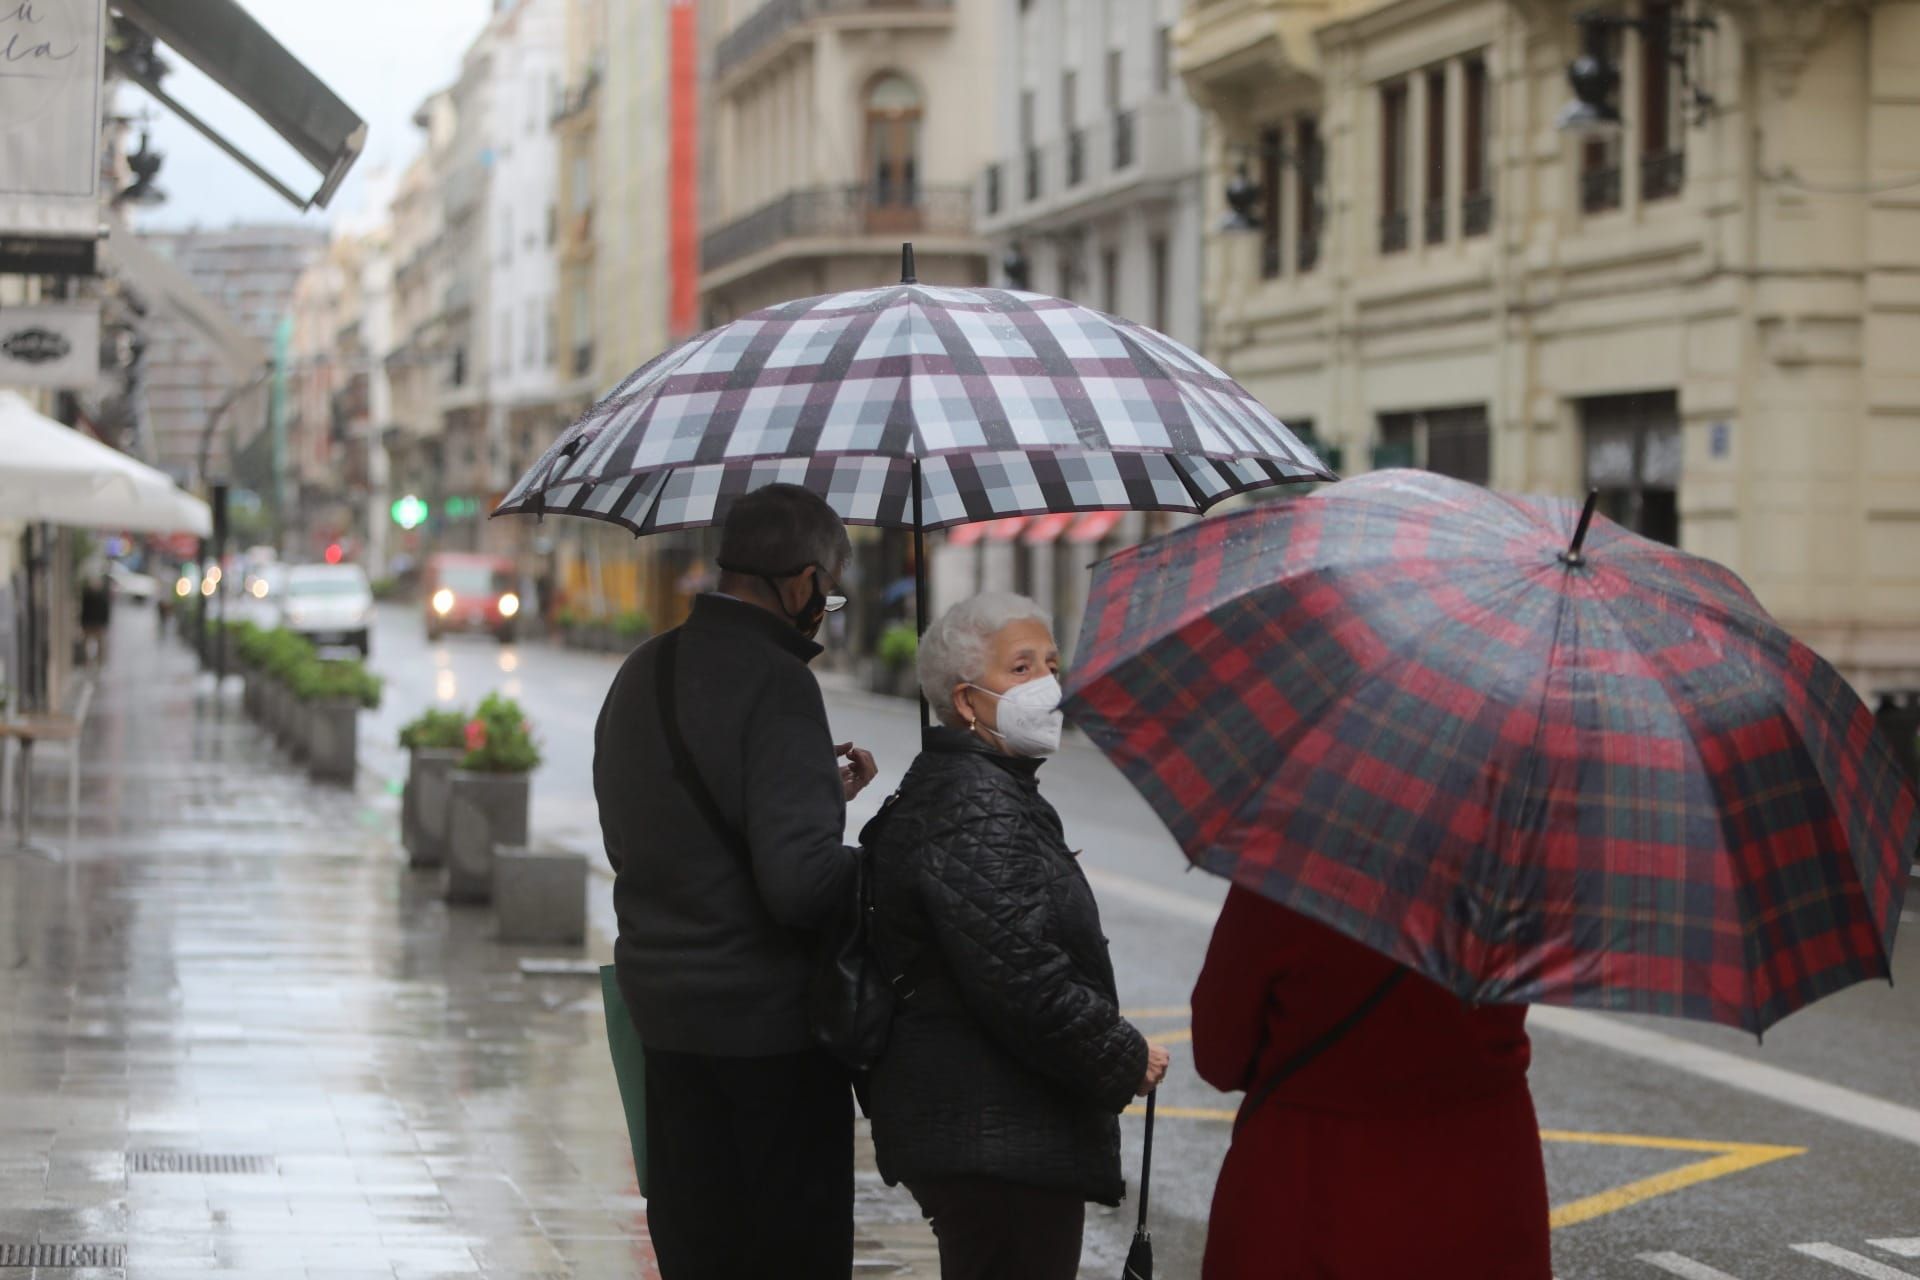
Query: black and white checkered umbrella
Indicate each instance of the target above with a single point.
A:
(917, 407)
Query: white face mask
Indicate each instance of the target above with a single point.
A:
(1030, 717)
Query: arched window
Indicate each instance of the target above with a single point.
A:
(893, 152)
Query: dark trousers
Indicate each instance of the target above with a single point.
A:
(991, 1229)
(749, 1166)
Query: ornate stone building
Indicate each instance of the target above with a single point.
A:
(1706, 312)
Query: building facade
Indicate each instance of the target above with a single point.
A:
(251, 273)
(1701, 313)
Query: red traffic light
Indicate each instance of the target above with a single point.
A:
(334, 553)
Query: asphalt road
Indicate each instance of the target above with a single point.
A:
(1671, 1149)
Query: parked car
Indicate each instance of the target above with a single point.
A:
(466, 592)
(137, 587)
(260, 600)
(328, 603)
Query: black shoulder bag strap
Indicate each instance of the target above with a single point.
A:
(1324, 1041)
(666, 669)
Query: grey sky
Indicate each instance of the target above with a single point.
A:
(382, 56)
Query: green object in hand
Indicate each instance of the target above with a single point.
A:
(629, 1068)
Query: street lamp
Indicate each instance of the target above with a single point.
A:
(145, 163)
(1595, 79)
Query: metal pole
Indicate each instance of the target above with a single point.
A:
(920, 587)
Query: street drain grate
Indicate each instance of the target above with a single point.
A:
(195, 1162)
(63, 1255)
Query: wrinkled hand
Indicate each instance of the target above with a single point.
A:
(858, 771)
(1156, 1070)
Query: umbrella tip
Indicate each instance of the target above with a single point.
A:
(1573, 556)
(906, 264)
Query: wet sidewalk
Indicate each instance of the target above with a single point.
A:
(237, 1034)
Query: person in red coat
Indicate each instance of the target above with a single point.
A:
(1408, 1147)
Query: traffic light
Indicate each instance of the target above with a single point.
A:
(334, 553)
(409, 512)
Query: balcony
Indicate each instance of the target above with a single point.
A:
(1089, 169)
(775, 20)
(839, 214)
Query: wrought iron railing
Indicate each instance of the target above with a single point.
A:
(1123, 140)
(1393, 233)
(1600, 189)
(838, 212)
(1307, 251)
(1476, 214)
(1662, 174)
(775, 18)
(1436, 221)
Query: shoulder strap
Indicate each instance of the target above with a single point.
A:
(1324, 1041)
(666, 670)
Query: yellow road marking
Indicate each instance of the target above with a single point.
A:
(1728, 1158)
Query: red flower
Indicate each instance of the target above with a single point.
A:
(476, 735)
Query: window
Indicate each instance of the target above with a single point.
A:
(1032, 151)
(1450, 442)
(1600, 157)
(1114, 67)
(1272, 167)
(1309, 185)
(1633, 459)
(893, 154)
(582, 182)
(503, 359)
(1163, 60)
(1157, 282)
(1476, 205)
(1662, 157)
(1393, 167)
(1110, 281)
(1069, 100)
(1435, 212)
(530, 347)
(1071, 248)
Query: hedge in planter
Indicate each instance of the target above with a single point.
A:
(899, 658)
(488, 799)
(331, 694)
(436, 741)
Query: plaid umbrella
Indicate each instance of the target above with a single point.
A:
(917, 407)
(1533, 766)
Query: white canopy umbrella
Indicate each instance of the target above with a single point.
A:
(53, 473)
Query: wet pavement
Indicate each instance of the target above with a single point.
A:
(238, 1035)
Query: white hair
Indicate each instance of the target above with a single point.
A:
(954, 650)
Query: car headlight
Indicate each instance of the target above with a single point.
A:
(259, 589)
(509, 605)
(443, 602)
(183, 587)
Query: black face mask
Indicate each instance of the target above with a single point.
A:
(812, 614)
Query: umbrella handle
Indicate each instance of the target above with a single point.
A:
(1146, 1160)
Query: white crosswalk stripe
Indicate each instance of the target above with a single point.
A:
(1848, 1260)
(1907, 1248)
(1684, 1267)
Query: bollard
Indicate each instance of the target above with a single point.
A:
(483, 810)
(540, 895)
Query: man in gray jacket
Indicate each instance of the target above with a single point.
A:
(727, 854)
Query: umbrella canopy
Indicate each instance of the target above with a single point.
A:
(53, 473)
(1605, 778)
(917, 407)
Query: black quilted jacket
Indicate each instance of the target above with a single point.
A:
(1011, 1059)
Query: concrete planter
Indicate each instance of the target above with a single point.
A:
(333, 738)
(429, 782)
(294, 724)
(483, 810)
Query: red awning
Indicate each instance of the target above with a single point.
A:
(966, 535)
(1045, 529)
(1094, 527)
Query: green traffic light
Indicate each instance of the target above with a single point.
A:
(409, 512)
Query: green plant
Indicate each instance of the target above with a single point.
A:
(328, 680)
(279, 653)
(499, 739)
(433, 730)
(386, 588)
(899, 645)
(630, 625)
(567, 618)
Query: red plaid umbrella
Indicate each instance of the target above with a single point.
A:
(1530, 769)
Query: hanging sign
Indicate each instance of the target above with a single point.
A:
(50, 344)
(51, 55)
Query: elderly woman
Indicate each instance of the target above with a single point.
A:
(997, 1099)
